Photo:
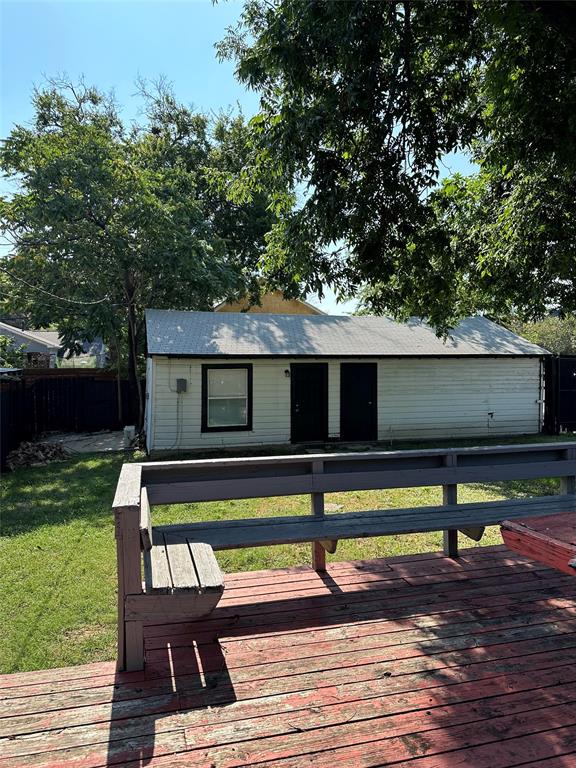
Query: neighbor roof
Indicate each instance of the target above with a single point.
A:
(48, 339)
(241, 334)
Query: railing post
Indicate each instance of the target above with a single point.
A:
(126, 508)
(568, 484)
(317, 509)
(450, 496)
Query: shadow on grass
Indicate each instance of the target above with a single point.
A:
(521, 489)
(54, 494)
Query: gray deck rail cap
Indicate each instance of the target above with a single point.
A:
(128, 489)
(241, 334)
(158, 466)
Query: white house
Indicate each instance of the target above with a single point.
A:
(43, 347)
(238, 379)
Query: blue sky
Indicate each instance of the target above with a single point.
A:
(112, 43)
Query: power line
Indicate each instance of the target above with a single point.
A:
(53, 295)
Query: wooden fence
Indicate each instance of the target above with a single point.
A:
(61, 400)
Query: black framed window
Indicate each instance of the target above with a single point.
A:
(226, 398)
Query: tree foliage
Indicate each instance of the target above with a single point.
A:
(360, 101)
(11, 355)
(110, 219)
(556, 334)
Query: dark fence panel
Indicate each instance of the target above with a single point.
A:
(61, 401)
(560, 394)
(567, 392)
(15, 426)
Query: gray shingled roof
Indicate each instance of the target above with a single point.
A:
(204, 334)
(36, 341)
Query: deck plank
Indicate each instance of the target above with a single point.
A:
(349, 652)
(418, 661)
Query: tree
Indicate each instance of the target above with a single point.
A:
(360, 101)
(110, 219)
(556, 334)
(11, 355)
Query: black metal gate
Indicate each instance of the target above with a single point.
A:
(560, 394)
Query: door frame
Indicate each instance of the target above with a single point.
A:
(324, 368)
(374, 367)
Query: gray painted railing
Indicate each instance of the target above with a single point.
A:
(318, 474)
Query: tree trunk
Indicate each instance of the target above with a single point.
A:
(133, 378)
(118, 382)
(133, 337)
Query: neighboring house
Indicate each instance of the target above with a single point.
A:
(41, 350)
(44, 347)
(94, 354)
(273, 302)
(239, 379)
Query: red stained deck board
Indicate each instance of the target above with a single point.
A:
(264, 717)
(511, 752)
(447, 624)
(528, 607)
(26, 707)
(550, 540)
(293, 617)
(417, 662)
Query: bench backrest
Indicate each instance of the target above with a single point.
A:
(145, 521)
(221, 479)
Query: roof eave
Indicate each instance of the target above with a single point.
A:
(293, 355)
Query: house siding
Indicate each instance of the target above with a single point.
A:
(272, 302)
(417, 399)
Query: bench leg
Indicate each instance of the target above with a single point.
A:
(451, 543)
(134, 644)
(318, 557)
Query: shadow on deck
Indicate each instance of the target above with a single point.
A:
(415, 662)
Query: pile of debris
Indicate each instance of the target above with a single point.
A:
(35, 454)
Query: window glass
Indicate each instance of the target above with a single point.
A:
(227, 382)
(227, 412)
(227, 397)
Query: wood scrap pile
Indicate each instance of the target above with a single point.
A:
(30, 454)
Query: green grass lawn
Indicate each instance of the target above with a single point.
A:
(58, 566)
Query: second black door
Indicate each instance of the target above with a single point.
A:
(309, 402)
(358, 401)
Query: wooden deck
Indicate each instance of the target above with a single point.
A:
(413, 662)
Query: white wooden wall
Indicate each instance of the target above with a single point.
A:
(417, 399)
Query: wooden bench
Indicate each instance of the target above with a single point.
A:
(178, 568)
(182, 578)
(181, 581)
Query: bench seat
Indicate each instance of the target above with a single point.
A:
(181, 567)
(181, 581)
(231, 534)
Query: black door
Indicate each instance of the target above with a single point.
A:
(309, 402)
(358, 401)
